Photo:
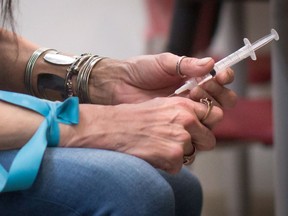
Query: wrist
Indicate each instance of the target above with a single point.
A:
(92, 130)
(106, 81)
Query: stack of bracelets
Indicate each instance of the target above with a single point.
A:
(79, 66)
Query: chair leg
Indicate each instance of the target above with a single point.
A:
(236, 181)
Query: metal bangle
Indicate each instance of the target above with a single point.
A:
(73, 70)
(83, 79)
(30, 66)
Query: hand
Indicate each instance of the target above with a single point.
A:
(214, 90)
(142, 78)
(160, 130)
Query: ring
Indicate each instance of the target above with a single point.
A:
(178, 70)
(209, 104)
(188, 159)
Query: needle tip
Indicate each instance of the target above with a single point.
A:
(171, 95)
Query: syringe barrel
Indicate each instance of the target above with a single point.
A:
(232, 59)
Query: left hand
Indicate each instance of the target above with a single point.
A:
(145, 77)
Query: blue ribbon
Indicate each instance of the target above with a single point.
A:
(26, 163)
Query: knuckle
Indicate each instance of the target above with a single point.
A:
(176, 153)
(182, 102)
(185, 136)
(180, 135)
(191, 120)
(164, 57)
(175, 160)
(184, 115)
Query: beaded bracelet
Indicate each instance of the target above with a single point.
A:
(73, 70)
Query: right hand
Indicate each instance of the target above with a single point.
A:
(159, 131)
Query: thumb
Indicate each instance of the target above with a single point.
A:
(194, 67)
(188, 66)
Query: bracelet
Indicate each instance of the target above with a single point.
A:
(83, 79)
(80, 66)
(29, 68)
(73, 70)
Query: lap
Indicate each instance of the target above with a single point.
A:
(75, 181)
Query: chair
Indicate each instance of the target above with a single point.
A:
(248, 123)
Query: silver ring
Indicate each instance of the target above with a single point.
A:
(188, 159)
(178, 69)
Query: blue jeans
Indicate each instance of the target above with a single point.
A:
(76, 181)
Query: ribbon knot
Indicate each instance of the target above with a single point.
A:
(25, 165)
(60, 112)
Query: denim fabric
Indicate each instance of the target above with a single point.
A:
(78, 181)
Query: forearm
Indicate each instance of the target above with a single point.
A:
(17, 125)
(14, 54)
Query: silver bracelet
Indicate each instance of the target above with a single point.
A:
(29, 68)
(80, 66)
(83, 78)
(74, 70)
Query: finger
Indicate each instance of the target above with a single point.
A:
(208, 114)
(189, 148)
(226, 97)
(198, 93)
(222, 96)
(201, 135)
(225, 77)
(191, 67)
(193, 113)
(189, 158)
(213, 114)
(194, 67)
(205, 142)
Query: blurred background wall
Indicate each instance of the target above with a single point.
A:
(117, 29)
(106, 27)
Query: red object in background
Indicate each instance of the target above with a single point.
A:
(250, 120)
(159, 15)
(259, 70)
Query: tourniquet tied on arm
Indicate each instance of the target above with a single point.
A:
(25, 165)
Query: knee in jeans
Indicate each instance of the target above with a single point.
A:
(146, 191)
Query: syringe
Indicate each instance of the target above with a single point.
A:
(242, 53)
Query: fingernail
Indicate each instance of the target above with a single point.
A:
(203, 61)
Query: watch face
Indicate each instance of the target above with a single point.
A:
(59, 59)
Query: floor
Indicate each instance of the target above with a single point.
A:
(214, 169)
